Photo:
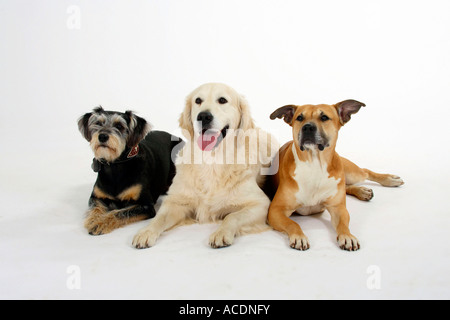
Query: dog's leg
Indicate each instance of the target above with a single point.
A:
(247, 217)
(354, 175)
(280, 221)
(278, 218)
(362, 193)
(340, 220)
(386, 180)
(169, 215)
(250, 218)
(100, 220)
(95, 216)
(135, 212)
(125, 216)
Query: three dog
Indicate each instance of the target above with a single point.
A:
(221, 171)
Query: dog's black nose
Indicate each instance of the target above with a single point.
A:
(309, 128)
(103, 137)
(205, 117)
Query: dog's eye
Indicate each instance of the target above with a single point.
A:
(222, 100)
(118, 126)
(300, 118)
(99, 123)
(324, 118)
(198, 101)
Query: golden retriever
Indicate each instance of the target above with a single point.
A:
(218, 172)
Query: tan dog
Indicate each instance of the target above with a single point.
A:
(312, 177)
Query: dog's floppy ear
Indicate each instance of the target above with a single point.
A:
(286, 113)
(185, 120)
(83, 126)
(246, 121)
(83, 123)
(346, 108)
(138, 127)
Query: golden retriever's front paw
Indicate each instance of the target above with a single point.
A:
(145, 238)
(221, 238)
(348, 242)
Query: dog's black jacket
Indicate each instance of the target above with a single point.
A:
(152, 168)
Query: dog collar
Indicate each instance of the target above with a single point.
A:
(133, 152)
(97, 164)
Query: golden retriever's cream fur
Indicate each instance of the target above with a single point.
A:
(221, 184)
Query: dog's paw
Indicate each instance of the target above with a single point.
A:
(364, 194)
(348, 242)
(299, 242)
(221, 238)
(392, 181)
(145, 238)
(98, 225)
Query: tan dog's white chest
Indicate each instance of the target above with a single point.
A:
(314, 182)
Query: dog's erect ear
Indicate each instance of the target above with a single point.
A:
(346, 108)
(138, 127)
(246, 121)
(83, 126)
(99, 109)
(185, 120)
(286, 113)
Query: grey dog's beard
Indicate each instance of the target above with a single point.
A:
(109, 151)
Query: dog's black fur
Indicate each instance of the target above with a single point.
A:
(152, 168)
(142, 176)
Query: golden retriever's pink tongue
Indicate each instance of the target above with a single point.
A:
(207, 141)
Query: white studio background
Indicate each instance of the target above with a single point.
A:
(59, 59)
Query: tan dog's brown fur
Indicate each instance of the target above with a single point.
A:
(312, 178)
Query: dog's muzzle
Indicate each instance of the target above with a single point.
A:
(205, 118)
(309, 135)
(209, 138)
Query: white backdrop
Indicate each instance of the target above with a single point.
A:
(59, 59)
